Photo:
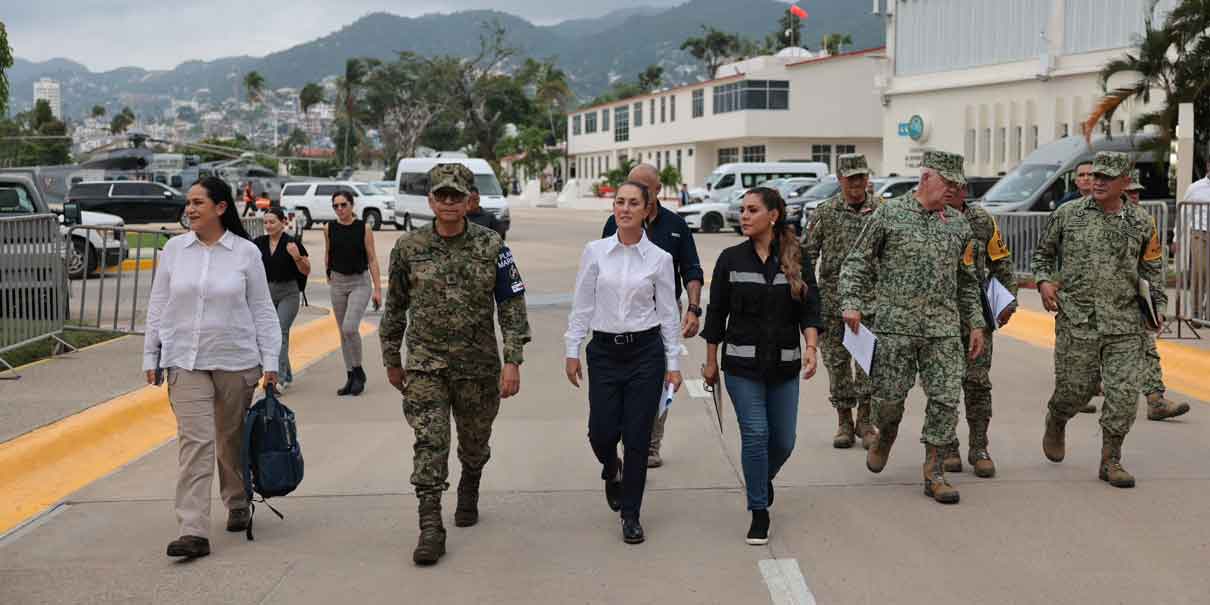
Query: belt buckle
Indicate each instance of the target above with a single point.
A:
(621, 339)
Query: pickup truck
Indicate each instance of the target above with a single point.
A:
(19, 196)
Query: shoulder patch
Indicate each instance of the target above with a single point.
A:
(968, 257)
(996, 248)
(1154, 250)
(508, 279)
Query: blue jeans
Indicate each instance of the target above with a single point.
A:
(768, 415)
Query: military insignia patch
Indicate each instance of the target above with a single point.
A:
(508, 279)
(968, 258)
(996, 249)
(1154, 250)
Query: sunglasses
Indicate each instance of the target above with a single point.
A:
(340, 205)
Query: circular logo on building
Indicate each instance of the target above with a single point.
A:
(915, 127)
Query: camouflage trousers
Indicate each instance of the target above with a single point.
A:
(1083, 361)
(428, 400)
(1153, 376)
(847, 382)
(940, 364)
(977, 382)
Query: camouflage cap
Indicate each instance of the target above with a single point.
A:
(1136, 181)
(948, 165)
(451, 176)
(1112, 164)
(850, 164)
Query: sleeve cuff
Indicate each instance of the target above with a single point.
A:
(513, 357)
(673, 363)
(392, 360)
(149, 362)
(572, 350)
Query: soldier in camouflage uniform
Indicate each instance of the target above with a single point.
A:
(992, 260)
(834, 226)
(450, 277)
(924, 293)
(1107, 245)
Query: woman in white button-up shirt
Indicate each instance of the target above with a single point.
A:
(626, 297)
(212, 326)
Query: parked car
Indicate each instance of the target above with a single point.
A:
(412, 189)
(978, 186)
(894, 186)
(814, 196)
(728, 179)
(134, 201)
(19, 196)
(311, 202)
(706, 217)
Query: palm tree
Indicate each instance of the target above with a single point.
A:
(651, 78)
(552, 92)
(98, 111)
(311, 95)
(834, 43)
(711, 49)
(349, 87)
(254, 85)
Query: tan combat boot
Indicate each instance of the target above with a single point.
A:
(935, 485)
(978, 456)
(880, 452)
(1111, 462)
(431, 544)
(1054, 440)
(865, 429)
(951, 457)
(1160, 408)
(467, 512)
(844, 434)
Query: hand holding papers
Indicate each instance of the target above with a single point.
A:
(861, 346)
(998, 299)
(666, 400)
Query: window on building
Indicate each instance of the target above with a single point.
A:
(590, 123)
(621, 124)
(728, 155)
(1001, 145)
(667, 157)
(968, 149)
(1018, 144)
(699, 103)
(1120, 127)
(822, 153)
(651, 115)
(605, 120)
(1033, 140)
(690, 152)
(843, 149)
(606, 163)
(754, 153)
(663, 109)
(638, 114)
(752, 94)
(672, 108)
(658, 166)
(678, 163)
(779, 94)
(1066, 130)
(575, 125)
(985, 146)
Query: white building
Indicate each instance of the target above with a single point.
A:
(49, 90)
(993, 80)
(778, 108)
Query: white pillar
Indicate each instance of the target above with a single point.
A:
(1184, 153)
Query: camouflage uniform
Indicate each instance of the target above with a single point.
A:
(450, 287)
(834, 226)
(923, 294)
(1098, 331)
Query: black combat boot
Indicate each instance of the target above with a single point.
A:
(467, 512)
(348, 387)
(358, 385)
(431, 545)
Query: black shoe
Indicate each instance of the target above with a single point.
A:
(238, 519)
(348, 387)
(190, 547)
(613, 491)
(769, 500)
(632, 532)
(758, 532)
(358, 385)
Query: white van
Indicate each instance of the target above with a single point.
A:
(312, 202)
(728, 179)
(412, 190)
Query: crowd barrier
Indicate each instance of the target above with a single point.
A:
(1193, 264)
(33, 303)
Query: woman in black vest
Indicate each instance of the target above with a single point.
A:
(287, 267)
(763, 295)
(349, 257)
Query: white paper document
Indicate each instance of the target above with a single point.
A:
(861, 346)
(998, 298)
(666, 400)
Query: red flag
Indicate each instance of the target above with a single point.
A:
(798, 12)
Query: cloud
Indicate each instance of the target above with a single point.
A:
(105, 34)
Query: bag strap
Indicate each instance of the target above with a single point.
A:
(245, 458)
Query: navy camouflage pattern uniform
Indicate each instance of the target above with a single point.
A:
(923, 295)
(1099, 333)
(831, 231)
(442, 294)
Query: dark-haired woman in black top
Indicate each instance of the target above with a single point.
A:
(286, 267)
(350, 256)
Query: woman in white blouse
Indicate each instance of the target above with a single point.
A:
(625, 296)
(212, 325)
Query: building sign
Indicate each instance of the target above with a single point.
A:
(914, 157)
(913, 129)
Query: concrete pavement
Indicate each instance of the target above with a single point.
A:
(1038, 533)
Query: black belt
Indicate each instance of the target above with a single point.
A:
(628, 338)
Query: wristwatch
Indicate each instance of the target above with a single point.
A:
(694, 309)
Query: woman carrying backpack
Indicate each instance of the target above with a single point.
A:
(211, 324)
(287, 267)
(350, 257)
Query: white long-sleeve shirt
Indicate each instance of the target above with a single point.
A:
(622, 289)
(210, 308)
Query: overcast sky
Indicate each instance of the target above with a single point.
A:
(104, 34)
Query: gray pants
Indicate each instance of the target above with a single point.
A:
(286, 298)
(350, 296)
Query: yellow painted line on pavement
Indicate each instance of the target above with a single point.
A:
(42, 467)
(130, 264)
(1186, 369)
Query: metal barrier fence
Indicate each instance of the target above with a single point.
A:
(1193, 263)
(33, 304)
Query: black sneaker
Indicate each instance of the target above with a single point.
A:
(632, 531)
(238, 519)
(613, 491)
(758, 532)
(190, 547)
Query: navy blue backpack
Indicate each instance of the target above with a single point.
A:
(271, 459)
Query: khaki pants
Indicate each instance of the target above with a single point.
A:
(1199, 265)
(209, 408)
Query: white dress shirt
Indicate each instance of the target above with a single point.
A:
(210, 308)
(1199, 191)
(622, 289)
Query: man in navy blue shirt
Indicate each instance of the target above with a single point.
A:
(668, 230)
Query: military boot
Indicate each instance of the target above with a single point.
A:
(467, 512)
(1054, 440)
(1111, 462)
(935, 485)
(978, 456)
(951, 457)
(876, 458)
(1160, 408)
(844, 434)
(431, 544)
(865, 429)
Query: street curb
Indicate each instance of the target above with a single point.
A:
(41, 468)
(130, 264)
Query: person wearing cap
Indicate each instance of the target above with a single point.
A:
(1106, 246)
(450, 277)
(834, 226)
(992, 260)
(476, 214)
(926, 290)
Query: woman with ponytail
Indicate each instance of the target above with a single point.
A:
(762, 297)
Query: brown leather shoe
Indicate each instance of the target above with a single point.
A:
(1161, 408)
(1054, 440)
(189, 547)
(844, 433)
(877, 457)
(935, 485)
(238, 519)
